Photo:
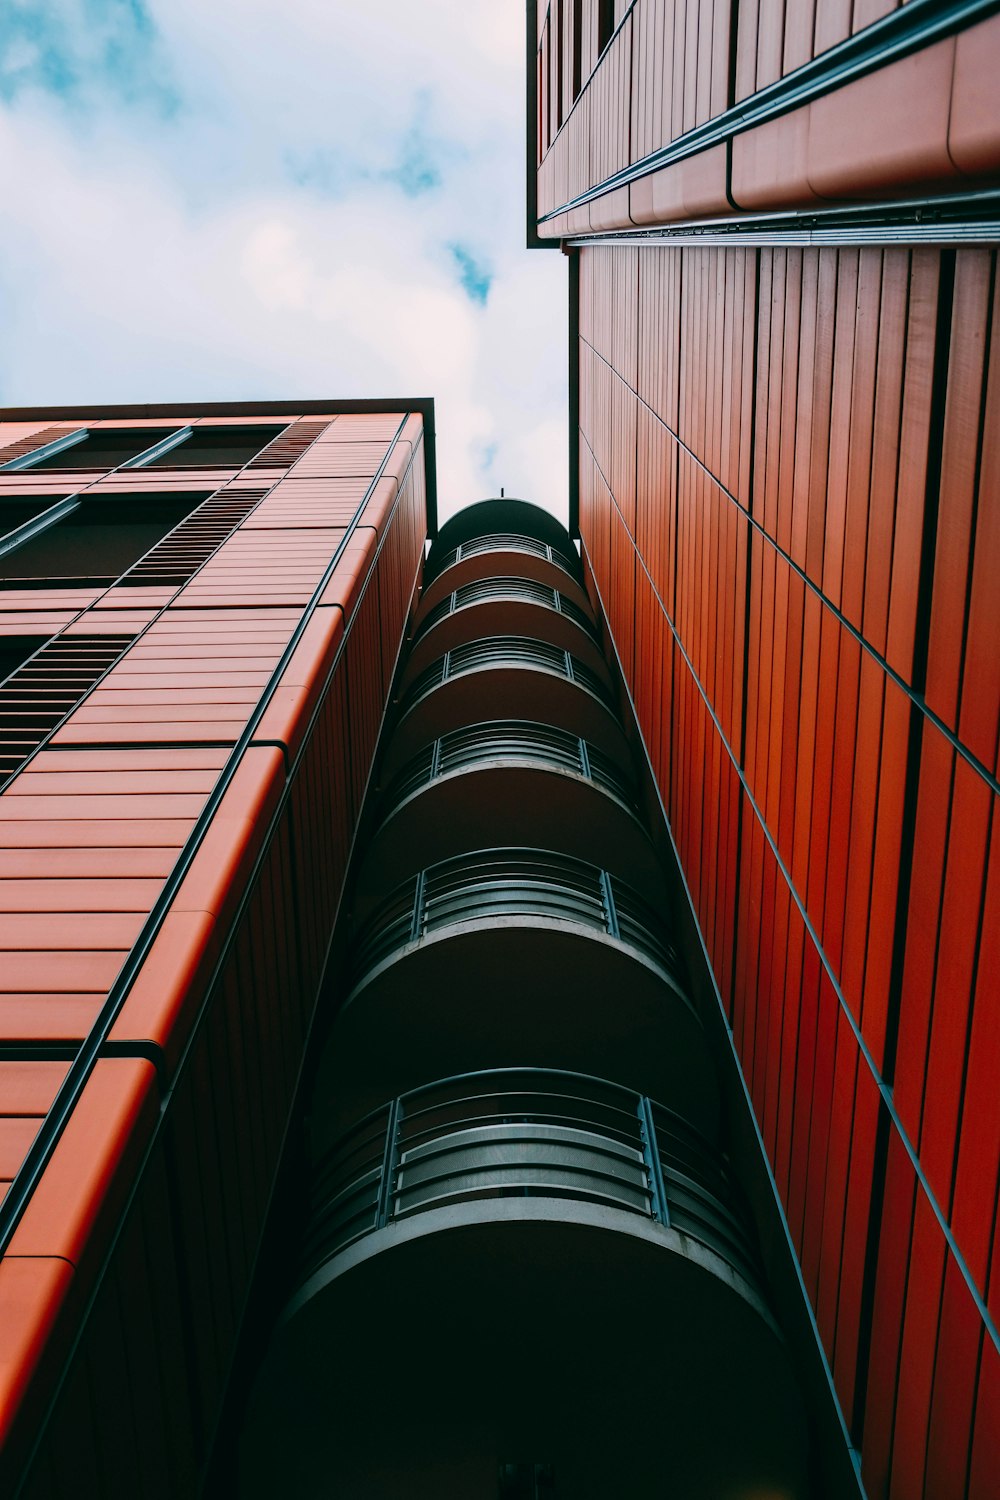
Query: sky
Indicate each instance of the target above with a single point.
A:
(245, 199)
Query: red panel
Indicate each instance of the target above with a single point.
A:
(294, 700)
(862, 825)
(887, 1319)
(173, 980)
(981, 670)
(929, 844)
(886, 445)
(819, 1133)
(32, 1293)
(974, 126)
(886, 129)
(885, 867)
(835, 1194)
(985, 1464)
(770, 162)
(916, 1362)
(952, 1405)
(855, 1242)
(81, 1189)
(979, 1148)
(957, 952)
(973, 273)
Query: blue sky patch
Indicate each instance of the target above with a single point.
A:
(474, 277)
(76, 51)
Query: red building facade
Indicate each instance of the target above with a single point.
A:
(781, 222)
(200, 613)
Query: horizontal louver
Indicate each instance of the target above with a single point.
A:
(29, 444)
(182, 551)
(289, 445)
(40, 693)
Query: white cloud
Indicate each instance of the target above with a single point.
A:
(267, 233)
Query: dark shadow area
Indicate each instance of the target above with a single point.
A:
(98, 541)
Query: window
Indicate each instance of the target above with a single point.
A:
(96, 540)
(20, 509)
(228, 447)
(15, 650)
(559, 6)
(103, 448)
(605, 23)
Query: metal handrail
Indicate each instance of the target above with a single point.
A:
(532, 883)
(493, 590)
(527, 1132)
(500, 541)
(505, 651)
(507, 740)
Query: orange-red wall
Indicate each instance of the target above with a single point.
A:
(789, 499)
(923, 123)
(128, 1271)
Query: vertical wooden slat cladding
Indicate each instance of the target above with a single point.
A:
(784, 571)
(927, 119)
(225, 993)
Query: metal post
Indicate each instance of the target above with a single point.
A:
(417, 919)
(383, 1212)
(610, 910)
(651, 1151)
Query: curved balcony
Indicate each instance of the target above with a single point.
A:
(499, 515)
(509, 677)
(510, 955)
(530, 784)
(543, 1267)
(505, 606)
(500, 553)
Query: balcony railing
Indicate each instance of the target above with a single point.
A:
(511, 741)
(505, 651)
(528, 883)
(520, 1132)
(497, 590)
(500, 541)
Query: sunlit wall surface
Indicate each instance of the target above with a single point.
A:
(787, 487)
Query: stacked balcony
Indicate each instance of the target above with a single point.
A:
(527, 1260)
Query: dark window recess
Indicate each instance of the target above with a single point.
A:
(559, 7)
(104, 448)
(29, 444)
(15, 650)
(605, 23)
(14, 512)
(527, 1482)
(42, 689)
(577, 48)
(181, 553)
(97, 542)
(217, 447)
(288, 446)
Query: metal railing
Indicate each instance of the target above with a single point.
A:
(501, 541)
(504, 589)
(508, 740)
(527, 1132)
(530, 883)
(505, 651)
